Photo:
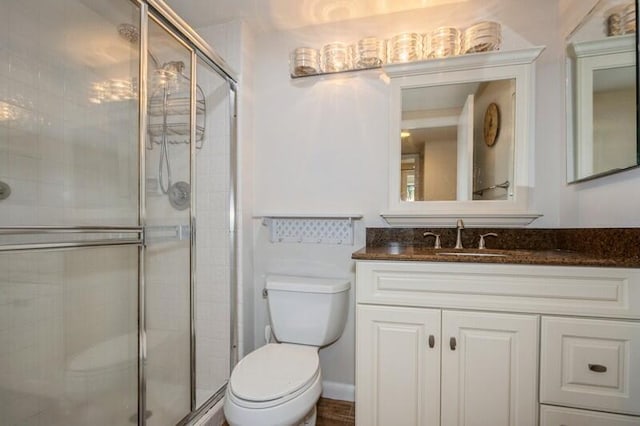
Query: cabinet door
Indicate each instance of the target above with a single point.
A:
(397, 366)
(489, 369)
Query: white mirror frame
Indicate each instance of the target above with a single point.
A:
(582, 60)
(480, 67)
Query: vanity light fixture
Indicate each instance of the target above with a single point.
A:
(373, 52)
(405, 134)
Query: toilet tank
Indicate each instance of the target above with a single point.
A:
(307, 311)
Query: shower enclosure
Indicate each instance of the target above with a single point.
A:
(117, 240)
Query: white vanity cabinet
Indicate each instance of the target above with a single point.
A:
(487, 362)
(459, 344)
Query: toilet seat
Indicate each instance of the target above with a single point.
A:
(274, 374)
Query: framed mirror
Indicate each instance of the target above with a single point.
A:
(459, 143)
(602, 92)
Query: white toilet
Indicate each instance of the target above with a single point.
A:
(280, 383)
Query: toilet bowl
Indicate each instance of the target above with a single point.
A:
(277, 384)
(280, 383)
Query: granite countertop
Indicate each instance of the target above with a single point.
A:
(593, 247)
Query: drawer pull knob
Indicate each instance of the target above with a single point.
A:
(597, 368)
(452, 343)
(432, 340)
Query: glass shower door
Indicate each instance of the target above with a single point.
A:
(168, 228)
(68, 336)
(69, 233)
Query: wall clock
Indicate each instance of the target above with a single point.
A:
(491, 124)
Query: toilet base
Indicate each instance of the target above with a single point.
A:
(310, 419)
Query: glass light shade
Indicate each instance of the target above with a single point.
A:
(405, 47)
(336, 57)
(484, 36)
(629, 19)
(614, 24)
(442, 42)
(304, 61)
(370, 52)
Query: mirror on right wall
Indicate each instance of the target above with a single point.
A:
(602, 92)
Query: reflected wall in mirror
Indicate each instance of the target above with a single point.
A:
(602, 92)
(457, 141)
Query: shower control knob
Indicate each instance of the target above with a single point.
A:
(180, 195)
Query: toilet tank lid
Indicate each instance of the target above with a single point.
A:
(307, 284)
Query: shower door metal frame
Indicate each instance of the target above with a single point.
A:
(69, 230)
(142, 209)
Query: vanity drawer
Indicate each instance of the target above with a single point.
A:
(562, 290)
(593, 364)
(561, 416)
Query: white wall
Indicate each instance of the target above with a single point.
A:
(440, 169)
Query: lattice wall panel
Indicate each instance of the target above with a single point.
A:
(313, 230)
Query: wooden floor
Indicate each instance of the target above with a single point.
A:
(335, 413)
(332, 412)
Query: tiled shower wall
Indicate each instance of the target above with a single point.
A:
(213, 241)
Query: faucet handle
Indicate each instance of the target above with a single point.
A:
(481, 245)
(436, 244)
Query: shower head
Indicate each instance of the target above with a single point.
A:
(129, 32)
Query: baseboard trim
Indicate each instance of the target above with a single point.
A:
(340, 391)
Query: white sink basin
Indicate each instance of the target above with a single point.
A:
(474, 254)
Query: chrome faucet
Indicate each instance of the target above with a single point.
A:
(460, 227)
